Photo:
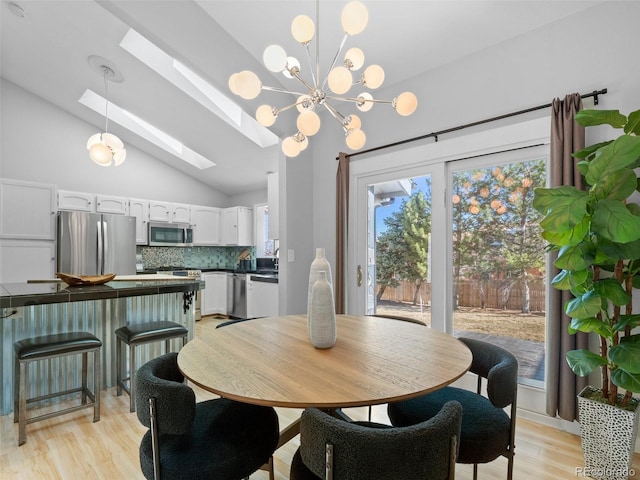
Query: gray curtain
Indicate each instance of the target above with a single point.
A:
(563, 385)
(342, 217)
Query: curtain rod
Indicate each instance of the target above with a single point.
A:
(593, 94)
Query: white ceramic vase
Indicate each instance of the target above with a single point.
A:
(322, 313)
(319, 264)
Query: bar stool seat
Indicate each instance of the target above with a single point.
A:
(50, 346)
(138, 334)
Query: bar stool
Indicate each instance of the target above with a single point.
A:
(138, 334)
(46, 347)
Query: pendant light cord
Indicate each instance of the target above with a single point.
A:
(106, 93)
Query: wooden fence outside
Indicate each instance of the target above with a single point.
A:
(468, 295)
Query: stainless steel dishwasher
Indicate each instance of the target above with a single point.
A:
(237, 295)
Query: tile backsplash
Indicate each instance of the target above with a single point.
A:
(195, 257)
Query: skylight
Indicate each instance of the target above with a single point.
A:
(144, 129)
(197, 88)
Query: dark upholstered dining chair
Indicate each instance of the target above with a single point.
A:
(334, 449)
(214, 439)
(487, 431)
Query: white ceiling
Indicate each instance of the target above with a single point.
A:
(46, 53)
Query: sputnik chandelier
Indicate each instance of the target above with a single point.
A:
(321, 92)
(105, 148)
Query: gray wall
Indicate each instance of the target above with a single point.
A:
(42, 143)
(594, 49)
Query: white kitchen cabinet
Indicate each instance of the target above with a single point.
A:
(180, 213)
(140, 209)
(273, 192)
(27, 210)
(206, 225)
(262, 299)
(214, 295)
(78, 201)
(112, 205)
(169, 212)
(159, 211)
(24, 260)
(238, 226)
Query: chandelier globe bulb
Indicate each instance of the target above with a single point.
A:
(266, 115)
(290, 147)
(405, 103)
(373, 76)
(274, 58)
(304, 103)
(354, 18)
(340, 80)
(292, 67)
(302, 29)
(308, 123)
(354, 59)
(364, 105)
(248, 85)
(355, 139)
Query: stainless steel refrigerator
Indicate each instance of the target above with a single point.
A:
(96, 244)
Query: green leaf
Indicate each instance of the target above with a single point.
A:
(627, 321)
(627, 356)
(584, 306)
(583, 362)
(574, 258)
(610, 289)
(621, 153)
(614, 251)
(570, 237)
(626, 380)
(591, 324)
(617, 186)
(566, 279)
(613, 221)
(590, 150)
(590, 118)
(563, 207)
(633, 123)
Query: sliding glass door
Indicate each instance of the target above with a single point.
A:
(454, 243)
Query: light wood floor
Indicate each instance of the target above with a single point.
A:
(71, 446)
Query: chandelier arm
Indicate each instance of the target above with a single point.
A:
(301, 80)
(282, 90)
(335, 114)
(357, 100)
(313, 76)
(288, 107)
(335, 58)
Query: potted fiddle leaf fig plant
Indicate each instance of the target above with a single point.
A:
(596, 233)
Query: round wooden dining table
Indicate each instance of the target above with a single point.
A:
(271, 361)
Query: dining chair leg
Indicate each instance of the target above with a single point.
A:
(475, 471)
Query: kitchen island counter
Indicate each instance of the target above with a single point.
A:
(45, 307)
(25, 294)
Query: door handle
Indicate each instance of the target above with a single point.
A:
(359, 276)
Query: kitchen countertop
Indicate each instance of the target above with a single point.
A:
(25, 294)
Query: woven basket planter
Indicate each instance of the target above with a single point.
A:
(608, 435)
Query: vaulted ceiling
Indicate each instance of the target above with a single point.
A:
(46, 52)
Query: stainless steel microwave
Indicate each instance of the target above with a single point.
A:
(170, 235)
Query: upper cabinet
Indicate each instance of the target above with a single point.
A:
(206, 225)
(238, 226)
(79, 201)
(113, 205)
(273, 192)
(140, 209)
(180, 213)
(159, 211)
(27, 210)
(169, 212)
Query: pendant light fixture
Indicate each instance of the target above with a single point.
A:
(106, 148)
(321, 91)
